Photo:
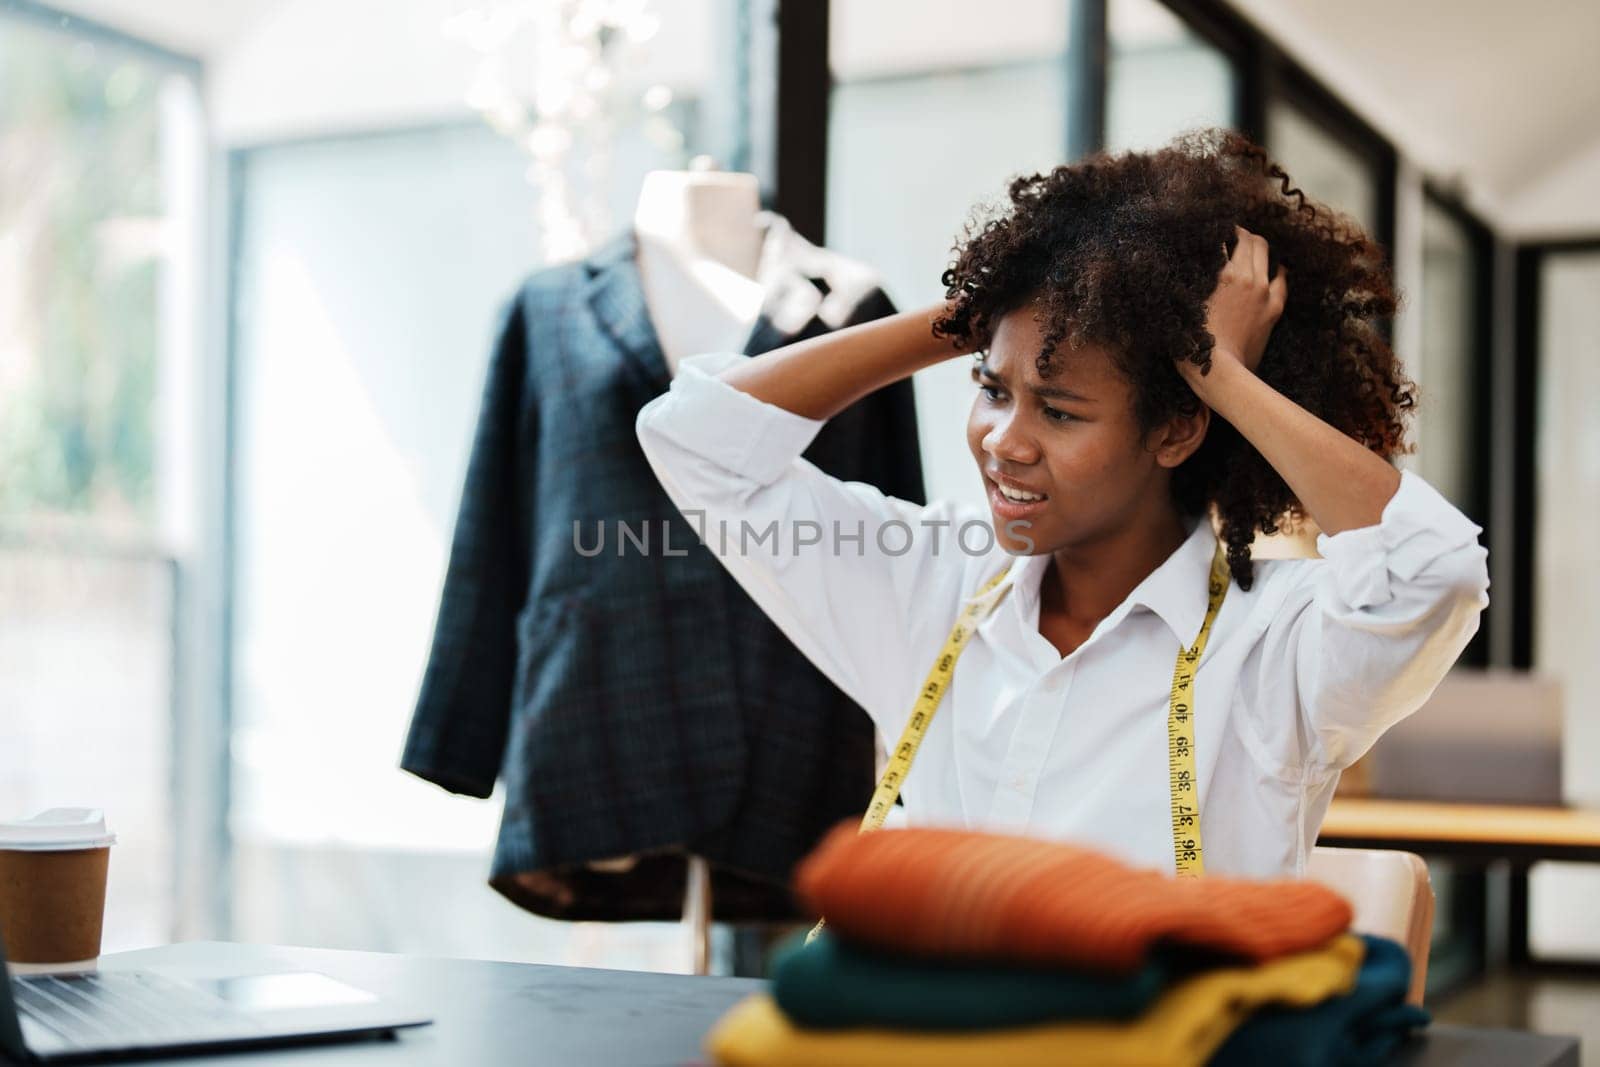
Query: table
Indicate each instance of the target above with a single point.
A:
(526, 1015)
(1488, 831)
(1521, 835)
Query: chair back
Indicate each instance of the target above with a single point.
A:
(1391, 895)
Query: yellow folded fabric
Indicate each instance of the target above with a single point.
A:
(1182, 1029)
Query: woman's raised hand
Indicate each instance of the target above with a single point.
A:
(1245, 305)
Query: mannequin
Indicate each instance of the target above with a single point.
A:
(701, 249)
(702, 246)
(741, 786)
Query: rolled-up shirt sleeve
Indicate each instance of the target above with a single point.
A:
(1372, 627)
(835, 564)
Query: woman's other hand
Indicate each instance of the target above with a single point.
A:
(1244, 306)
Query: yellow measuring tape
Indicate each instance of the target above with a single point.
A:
(1186, 845)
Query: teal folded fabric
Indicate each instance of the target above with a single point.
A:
(1363, 1027)
(831, 984)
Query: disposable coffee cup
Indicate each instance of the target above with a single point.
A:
(53, 886)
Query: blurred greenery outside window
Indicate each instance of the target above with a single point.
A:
(82, 244)
(99, 145)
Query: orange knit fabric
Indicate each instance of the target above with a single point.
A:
(963, 895)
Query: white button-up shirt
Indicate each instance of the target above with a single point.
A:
(1302, 673)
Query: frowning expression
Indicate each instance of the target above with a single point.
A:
(1063, 458)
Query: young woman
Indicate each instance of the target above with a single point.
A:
(1166, 344)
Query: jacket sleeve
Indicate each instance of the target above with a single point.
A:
(458, 730)
(835, 564)
(1365, 634)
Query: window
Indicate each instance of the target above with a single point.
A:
(1324, 166)
(354, 415)
(1163, 77)
(99, 198)
(369, 271)
(934, 108)
(1566, 581)
(1446, 372)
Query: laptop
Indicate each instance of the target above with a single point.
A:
(93, 1016)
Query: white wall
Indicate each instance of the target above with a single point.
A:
(1481, 94)
(1561, 202)
(873, 38)
(1497, 97)
(308, 67)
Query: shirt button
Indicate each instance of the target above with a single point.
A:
(1053, 684)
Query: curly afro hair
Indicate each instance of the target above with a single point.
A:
(1123, 250)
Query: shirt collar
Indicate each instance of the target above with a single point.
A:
(1176, 591)
(800, 281)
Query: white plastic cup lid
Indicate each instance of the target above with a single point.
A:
(57, 830)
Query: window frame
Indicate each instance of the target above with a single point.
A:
(1530, 258)
(197, 576)
(1480, 505)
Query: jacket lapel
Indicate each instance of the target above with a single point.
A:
(789, 275)
(616, 295)
(792, 272)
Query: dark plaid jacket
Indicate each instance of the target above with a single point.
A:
(636, 704)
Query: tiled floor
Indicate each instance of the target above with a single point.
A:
(1547, 1004)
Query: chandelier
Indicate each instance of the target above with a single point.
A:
(553, 77)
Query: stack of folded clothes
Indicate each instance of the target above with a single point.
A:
(947, 947)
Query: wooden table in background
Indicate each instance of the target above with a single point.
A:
(1475, 832)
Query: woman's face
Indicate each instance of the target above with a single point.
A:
(1071, 440)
